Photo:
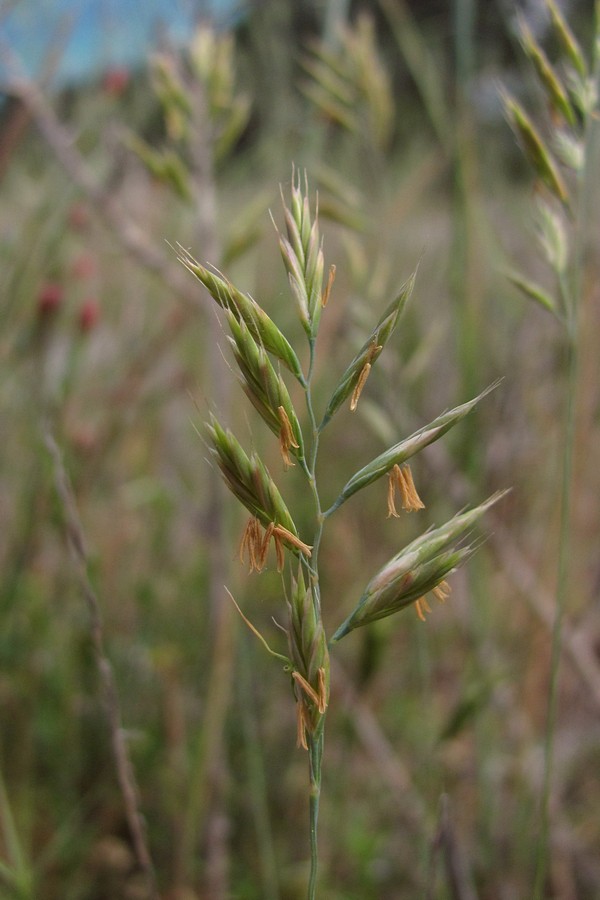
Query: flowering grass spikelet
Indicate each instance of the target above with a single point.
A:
(399, 453)
(418, 569)
(535, 149)
(302, 255)
(557, 94)
(249, 480)
(353, 379)
(242, 306)
(266, 390)
(310, 659)
(567, 39)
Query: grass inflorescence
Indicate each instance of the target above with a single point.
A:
(419, 569)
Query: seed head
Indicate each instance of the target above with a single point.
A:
(310, 659)
(401, 452)
(243, 307)
(418, 569)
(353, 379)
(535, 149)
(249, 480)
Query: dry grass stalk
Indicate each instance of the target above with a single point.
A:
(110, 695)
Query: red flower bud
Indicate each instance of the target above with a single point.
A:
(89, 313)
(115, 81)
(49, 299)
(79, 217)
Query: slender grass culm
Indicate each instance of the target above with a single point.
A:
(563, 154)
(262, 352)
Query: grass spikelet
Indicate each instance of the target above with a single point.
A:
(249, 480)
(535, 149)
(550, 81)
(368, 354)
(303, 256)
(402, 451)
(567, 39)
(266, 390)
(419, 568)
(532, 290)
(243, 307)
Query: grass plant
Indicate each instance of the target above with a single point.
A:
(562, 152)
(418, 569)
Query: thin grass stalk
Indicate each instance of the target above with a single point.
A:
(572, 291)
(422, 66)
(205, 805)
(256, 775)
(315, 755)
(465, 15)
(469, 296)
(315, 741)
(424, 664)
(18, 874)
(466, 272)
(110, 695)
(213, 764)
(562, 584)
(206, 752)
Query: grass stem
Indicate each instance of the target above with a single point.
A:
(315, 752)
(561, 596)
(110, 696)
(571, 287)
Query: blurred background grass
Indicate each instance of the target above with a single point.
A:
(433, 766)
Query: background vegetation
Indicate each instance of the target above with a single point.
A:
(434, 765)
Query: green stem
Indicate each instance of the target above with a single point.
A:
(561, 596)
(315, 740)
(311, 464)
(315, 756)
(257, 780)
(571, 293)
(17, 872)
